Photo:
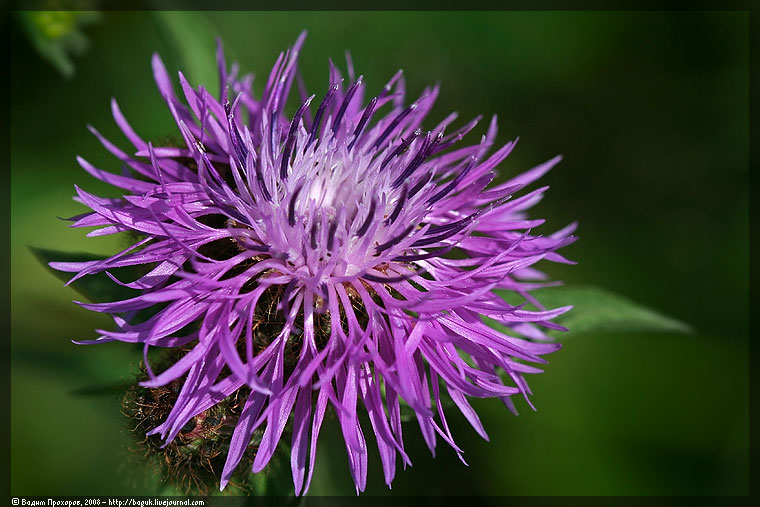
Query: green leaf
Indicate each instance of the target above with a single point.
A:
(596, 310)
(97, 287)
(56, 35)
(275, 479)
(189, 37)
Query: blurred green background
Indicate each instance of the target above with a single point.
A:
(650, 111)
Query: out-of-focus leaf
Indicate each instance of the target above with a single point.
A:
(596, 309)
(97, 287)
(189, 37)
(56, 35)
(275, 480)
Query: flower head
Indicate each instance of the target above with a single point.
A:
(343, 258)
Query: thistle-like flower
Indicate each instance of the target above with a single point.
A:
(343, 259)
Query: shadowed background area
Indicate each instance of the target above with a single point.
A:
(649, 110)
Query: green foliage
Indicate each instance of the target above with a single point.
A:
(599, 310)
(56, 35)
(189, 37)
(97, 287)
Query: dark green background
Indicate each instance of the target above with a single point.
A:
(650, 111)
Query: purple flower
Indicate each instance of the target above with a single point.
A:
(373, 243)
